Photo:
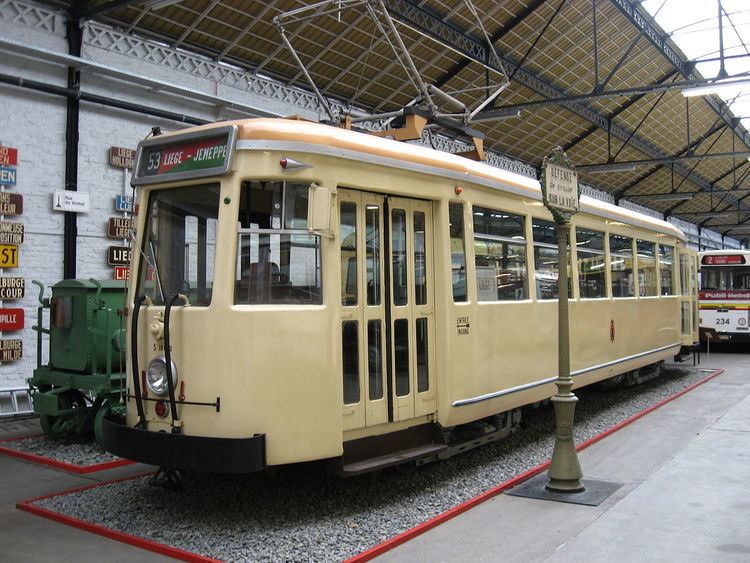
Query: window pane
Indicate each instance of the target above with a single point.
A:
(375, 359)
(180, 242)
(281, 269)
(423, 377)
(706, 283)
(398, 249)
(666, 269)
(646, 268)
(372, 242)
(621, 264)
(498, 223)
(589, 240)
(500, 270)
(350, 361)
(348, 232)
(544, 231)
(273, 267)
(546, 260)
(591, 280)
(420, 260)
(685, 316)
(401, 355)
(458, 251)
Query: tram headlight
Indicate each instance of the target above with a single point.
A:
(156, 375)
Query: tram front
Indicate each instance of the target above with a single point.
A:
(210, 374)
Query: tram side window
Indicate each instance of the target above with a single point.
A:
(500, 255)
(458, 251)
(180, 243)
(278, 261)
(646, 268)
(685, 276)
(546, 260)
(621, 265)
(591, 263)
(666, 269)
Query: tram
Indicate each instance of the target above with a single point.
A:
(725, 295)
(304, 292)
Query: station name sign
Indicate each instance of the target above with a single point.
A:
(723, 260)
(12, 288)
(11, 204)
(8, 156)
(206, 153)
(11, 350)
(121, 157)
(12, 319)
(118, 255)
(11, 233)
(120, 227)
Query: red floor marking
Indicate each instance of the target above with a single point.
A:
(79, 469)
(412, 533)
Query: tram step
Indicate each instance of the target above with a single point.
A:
(390, 460)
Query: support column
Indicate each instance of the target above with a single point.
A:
(75, 39)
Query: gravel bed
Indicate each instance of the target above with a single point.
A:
(297, 513)
(81, 455)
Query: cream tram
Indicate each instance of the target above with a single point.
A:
(304, 292)
(725, 295)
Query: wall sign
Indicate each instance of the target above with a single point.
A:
(8, 256)
(11, 319)
(11, 204)
(118, 255)
(8, 156)
(11, 233)
(11, 350)
(12, 288)
(121, 273)
(75, 202)
(8, 175)
(120, 227)
(124, 203)
(120, 157)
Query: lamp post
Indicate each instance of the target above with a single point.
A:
(560, 193)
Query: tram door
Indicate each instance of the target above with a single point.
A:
(387, 303)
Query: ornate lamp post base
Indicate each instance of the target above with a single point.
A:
(564, 470)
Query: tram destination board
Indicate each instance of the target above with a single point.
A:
(11, 349)
(179, 157)
(120, 227)
(11, 204)
(12, 288)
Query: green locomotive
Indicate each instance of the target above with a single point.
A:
(84, 377)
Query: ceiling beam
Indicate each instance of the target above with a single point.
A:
(107, 7)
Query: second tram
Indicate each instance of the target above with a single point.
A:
(725, 295)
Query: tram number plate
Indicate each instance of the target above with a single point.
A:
(11, 350)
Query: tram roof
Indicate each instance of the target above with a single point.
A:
(304, 136)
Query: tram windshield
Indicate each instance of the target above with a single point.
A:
(179, 244)
(728, 278)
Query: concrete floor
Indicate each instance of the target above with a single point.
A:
(685, 496)
(685, 470)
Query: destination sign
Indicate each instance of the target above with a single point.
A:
(177, 157)
(8, 175)
(11, 204)
(8, 256)
(722, 260)
(120, 157)
(11, 319)
(118, 255)
(121, 273)
(120, 227)
(124, 203)
(11, 350)
(8, 156)
(11, 233)
(12, 288)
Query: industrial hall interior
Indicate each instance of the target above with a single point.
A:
(345, 280)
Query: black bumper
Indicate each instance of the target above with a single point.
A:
(178, 451)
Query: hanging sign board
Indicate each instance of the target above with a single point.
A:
(11, 319)
(124, 203)
(8, 175)
(8, 256)
(12, 288)
(11, 204)
(120, 227)
(11, 233)
(723, 260)
(121, 273)
(180, 157)
(11, 350)
(74, 202)
(118, 255)
(120, 157)
(559, 182)
(8, 156)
